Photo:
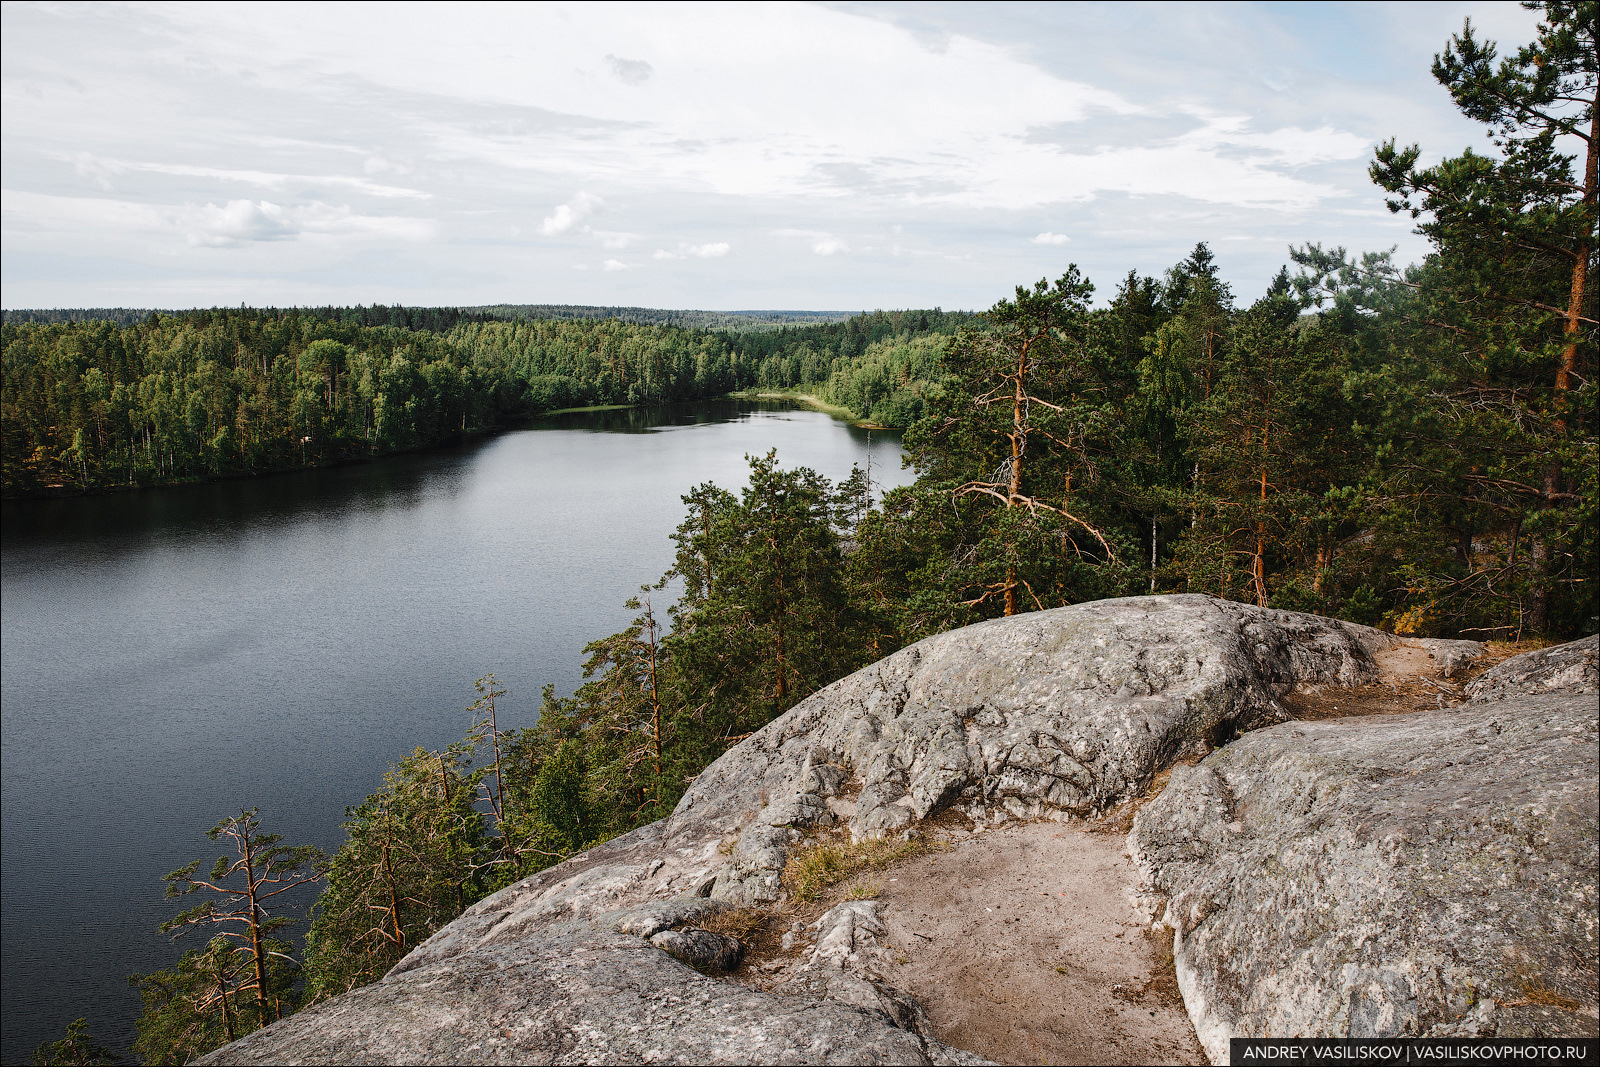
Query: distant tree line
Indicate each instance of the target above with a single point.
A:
(735, 321)
(100, 404)
(439, 319)
(434, 319)
(95, 405)
(878, 365)
(46, 316)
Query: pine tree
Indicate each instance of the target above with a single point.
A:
(1015, 436)
(1509, 297)
(1264, 466)
(409, 865)
(1158, 394)
(765, 617)
(77, 1049)
(245, 977)
(631, 711)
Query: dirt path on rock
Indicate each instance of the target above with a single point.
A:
(1022, 942)
(1023, 945)
(1412, 676)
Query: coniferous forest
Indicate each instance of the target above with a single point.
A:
(1411, 447)
(98, 404)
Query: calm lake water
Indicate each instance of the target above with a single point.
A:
(170, 656)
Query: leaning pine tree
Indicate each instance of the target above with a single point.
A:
(245, 977)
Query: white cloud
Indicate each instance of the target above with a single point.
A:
(710, 250)
(1288, 145)
(567, 216)
(100, 171)
(822, 242)
(379, 165)
(613, 239)
(629, 71)
(242, 221)
(961, 135)
(237, 222)
(233, 224)
(707, 123)
(615, 265)
(1048, 238)
(1136, 129)
(272, 180)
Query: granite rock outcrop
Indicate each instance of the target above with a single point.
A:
(1428, 874)
(1059, 714)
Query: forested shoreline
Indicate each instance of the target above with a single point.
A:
(1407, 447)
(98, 405)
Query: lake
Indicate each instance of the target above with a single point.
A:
(170, 656)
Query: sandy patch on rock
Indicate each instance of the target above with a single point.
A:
(1024, 946)
(1407, 662)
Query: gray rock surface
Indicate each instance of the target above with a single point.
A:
(1571, 668)
(576, 995)
(1425, 874)
(1058, 714)
(704, 950)
(847, 962)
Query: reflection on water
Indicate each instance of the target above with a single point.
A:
(73, 523)
(173, 655)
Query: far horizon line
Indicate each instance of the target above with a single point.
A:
(468, 307)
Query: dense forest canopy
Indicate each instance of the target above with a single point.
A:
(1411, 447)
(687, 319)
(96, 404)
(442, 318)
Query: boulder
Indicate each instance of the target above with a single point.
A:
(1058, 714)
(578, 995)
(1055, 714)
(1430, 874)
(1571, 668)
(704, 950)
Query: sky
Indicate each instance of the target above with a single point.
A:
(841, 156)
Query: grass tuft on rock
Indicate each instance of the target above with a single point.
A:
(823, 864)
(740, 924)
(1536, 991)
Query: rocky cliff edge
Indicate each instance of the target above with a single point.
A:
(1425, 873)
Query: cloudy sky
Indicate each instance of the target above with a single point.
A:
(722, 156)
